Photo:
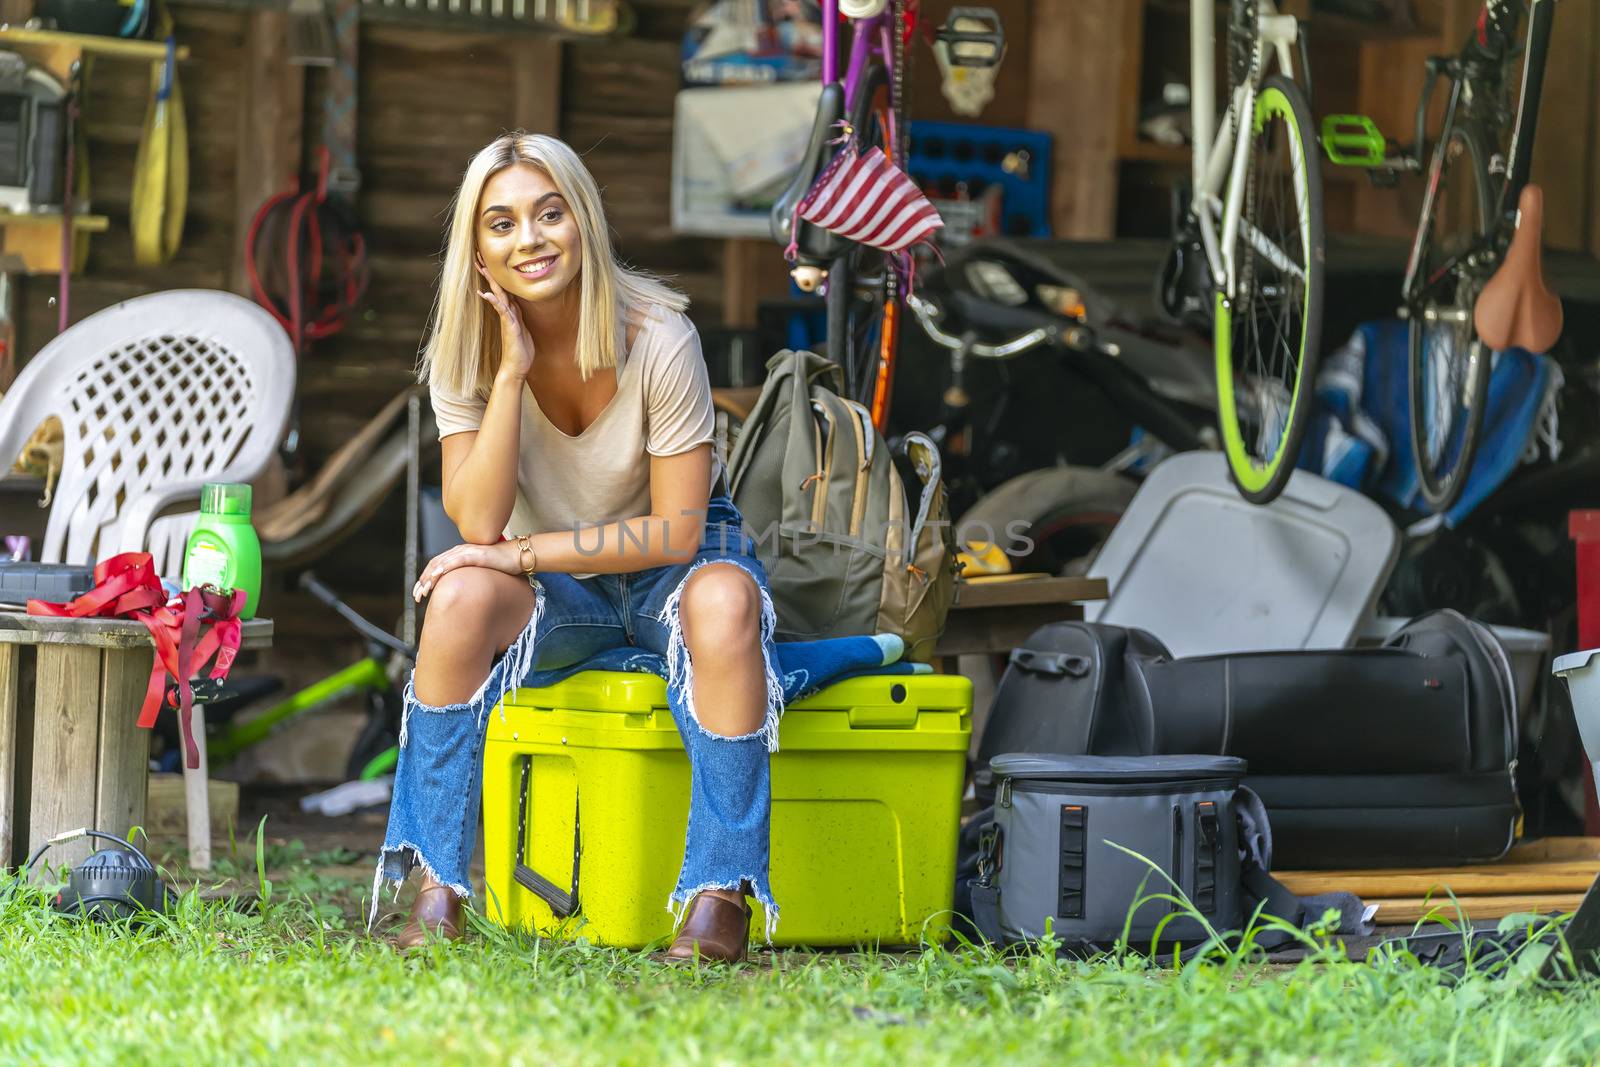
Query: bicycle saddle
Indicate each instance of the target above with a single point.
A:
(1516, 309)
(815, 244)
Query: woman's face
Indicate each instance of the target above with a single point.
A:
(527, 236)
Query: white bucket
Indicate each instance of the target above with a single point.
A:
(1581, 671)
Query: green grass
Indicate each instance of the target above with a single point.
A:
(293, 980)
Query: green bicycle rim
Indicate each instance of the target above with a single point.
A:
(1255, 475)
(381, 764)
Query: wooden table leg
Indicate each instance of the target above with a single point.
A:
(66, 729)
(197, 800)
(124, 749)
(9, 682)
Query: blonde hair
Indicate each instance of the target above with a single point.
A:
(463, 348)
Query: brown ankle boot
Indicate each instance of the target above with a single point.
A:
(435, 913)
(715, 928)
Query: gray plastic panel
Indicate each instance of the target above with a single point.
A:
(1206, 571)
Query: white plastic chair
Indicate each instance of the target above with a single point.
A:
(157, 395)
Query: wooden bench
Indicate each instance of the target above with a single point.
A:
(71, 751)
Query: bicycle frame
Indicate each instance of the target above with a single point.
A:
(1220, 160)
(869, 40)
(1465, 77)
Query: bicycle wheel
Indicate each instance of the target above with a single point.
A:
(1267, 336)
(1448, 374)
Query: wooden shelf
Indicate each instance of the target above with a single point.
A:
(96, 44)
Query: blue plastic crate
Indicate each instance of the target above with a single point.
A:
(944, 154)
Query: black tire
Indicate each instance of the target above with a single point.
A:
(1069, 512)
(1271, 338)
(861, 280)
(1447, 283)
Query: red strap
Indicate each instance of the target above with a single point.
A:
(201, 627)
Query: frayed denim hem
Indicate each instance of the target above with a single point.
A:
(395, 864)
(678, 902)
(680, 666)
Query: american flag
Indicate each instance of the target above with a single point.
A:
(869, 200)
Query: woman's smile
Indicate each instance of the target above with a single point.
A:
(536, 268)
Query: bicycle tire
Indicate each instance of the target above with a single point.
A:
(860, 280)
(1278, 422)
(1441, 485)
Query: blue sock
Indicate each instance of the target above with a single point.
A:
(806, 665)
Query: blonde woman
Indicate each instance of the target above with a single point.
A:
(575, 419)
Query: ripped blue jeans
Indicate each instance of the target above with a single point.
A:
(433, 816)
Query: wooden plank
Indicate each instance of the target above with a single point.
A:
(1592, 167)
(9, 679)
(270, 115)
(1077, 51)
(752, 270)
(65, 742)
(124, 749)
(1554, 848)
(1563, 153)
(1127, 140)
(981, 594)
(1412, 909)
(983, 630)
(535, 83)
(166, 814)
(1572, 876)
(197, 797)
(21, 629)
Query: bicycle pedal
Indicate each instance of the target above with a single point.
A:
(1353, 141)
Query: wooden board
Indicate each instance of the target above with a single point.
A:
(1077, 52)
(981, 594)
(9, 655)
(997, 629)
(123, 748)
(1544, 876)
(167, 814)
(536, 83)
(66, 727)
(16, 628)
(1570, 876)
(1395, 911)
(1554, 848)
(270, 106)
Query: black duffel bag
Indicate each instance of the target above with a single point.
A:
(1401, 755)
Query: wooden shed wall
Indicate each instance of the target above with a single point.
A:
(429, 99)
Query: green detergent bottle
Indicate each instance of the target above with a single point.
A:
(224, 550)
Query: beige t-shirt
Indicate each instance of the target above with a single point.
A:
(662, 407)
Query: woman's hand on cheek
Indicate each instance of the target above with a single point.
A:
(516, 343)
(497, 557)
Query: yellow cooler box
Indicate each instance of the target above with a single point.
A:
(586, 797)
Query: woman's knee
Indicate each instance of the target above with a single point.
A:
(721, 608)
(461, 606)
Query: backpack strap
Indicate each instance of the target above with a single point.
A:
(1272, 896)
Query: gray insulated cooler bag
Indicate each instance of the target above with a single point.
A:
(1050, 853)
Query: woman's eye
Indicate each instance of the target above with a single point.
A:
(550, 218)
(500, 225)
